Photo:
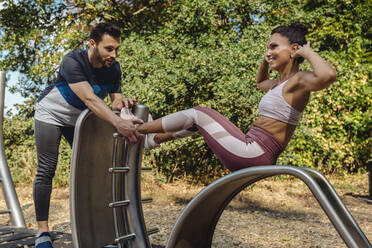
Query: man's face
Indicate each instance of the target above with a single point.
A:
(106, 51)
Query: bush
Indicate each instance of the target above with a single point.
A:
(20, 152)
(176, 69)
(179, 54)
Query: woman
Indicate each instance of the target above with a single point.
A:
(279, 110)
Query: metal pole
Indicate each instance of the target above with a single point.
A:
(11, 198)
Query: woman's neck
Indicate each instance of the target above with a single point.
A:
(288, 71)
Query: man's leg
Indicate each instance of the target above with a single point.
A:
(47, 138)
(68, 133)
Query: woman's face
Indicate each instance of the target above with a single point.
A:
(278, 53)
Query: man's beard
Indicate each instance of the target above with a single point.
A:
(99, 59)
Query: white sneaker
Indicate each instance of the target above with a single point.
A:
(149, 142)
(126, 114)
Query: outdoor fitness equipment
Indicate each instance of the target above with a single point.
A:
(105, 196)
(207, 207)
(105, 200)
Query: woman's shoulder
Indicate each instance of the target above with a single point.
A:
(295, 82)
(313, 82)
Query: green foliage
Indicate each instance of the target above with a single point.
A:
(35, 35)
(26, 27)
(334, 133)
(187, 64)
(20, 152)
(218, 72)
(19, 149)
(179, 54)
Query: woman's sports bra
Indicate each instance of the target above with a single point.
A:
(273, 105)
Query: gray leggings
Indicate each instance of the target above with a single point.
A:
(48, 138)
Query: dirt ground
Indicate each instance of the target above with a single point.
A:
(276, 212)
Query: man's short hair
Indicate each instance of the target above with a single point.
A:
(104, 28)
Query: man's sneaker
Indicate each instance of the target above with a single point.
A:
(43, 240)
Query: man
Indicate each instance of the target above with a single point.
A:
(84, 79)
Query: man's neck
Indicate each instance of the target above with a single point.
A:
(92, 60)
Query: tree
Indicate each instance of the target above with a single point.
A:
(178, 54)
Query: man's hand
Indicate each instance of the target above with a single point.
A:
(119, 103)
(129, 102)
(128, 130)
(126, 127)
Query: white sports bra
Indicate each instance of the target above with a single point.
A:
(273, 105)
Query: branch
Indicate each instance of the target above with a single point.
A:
(139, 11)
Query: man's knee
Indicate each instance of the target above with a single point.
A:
(44, 176)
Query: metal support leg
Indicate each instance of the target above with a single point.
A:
(14, 208)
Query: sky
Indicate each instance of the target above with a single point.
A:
(10, 98)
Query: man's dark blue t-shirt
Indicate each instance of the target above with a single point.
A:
(59, 105)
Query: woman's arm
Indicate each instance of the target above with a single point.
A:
(264, 83)
(321, 76)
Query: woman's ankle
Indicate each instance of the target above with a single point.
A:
(163, 137)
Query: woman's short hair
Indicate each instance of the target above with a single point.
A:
(295, 32)
(104, 28)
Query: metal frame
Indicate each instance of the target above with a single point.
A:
(206, 208)
(105, 195)
(12, 202)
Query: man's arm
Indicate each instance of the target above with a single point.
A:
(126, 127)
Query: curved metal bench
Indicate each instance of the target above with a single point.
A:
(195, 226)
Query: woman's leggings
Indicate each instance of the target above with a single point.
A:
(232, 147)
(48, 137)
